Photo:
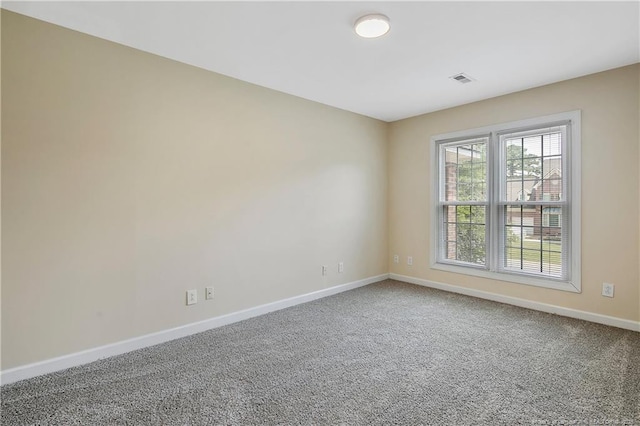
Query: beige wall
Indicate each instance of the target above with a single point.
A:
(610, 190)
(128, 179)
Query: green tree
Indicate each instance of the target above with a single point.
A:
(471, 185)
(520, 162)
(470, 234)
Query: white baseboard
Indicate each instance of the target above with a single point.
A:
(524, 303)
(84, 357)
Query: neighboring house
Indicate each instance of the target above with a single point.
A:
(464, 178)
(537, 221)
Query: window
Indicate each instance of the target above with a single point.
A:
(551, 217)
(506, 202)
(465, 200)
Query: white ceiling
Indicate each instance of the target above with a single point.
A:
(309, 49)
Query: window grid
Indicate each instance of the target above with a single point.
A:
(522, 251)
(534, 194)
(463, 202)
(461, 223)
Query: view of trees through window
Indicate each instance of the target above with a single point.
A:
(530, 202)
(533, 195)
(466, 189)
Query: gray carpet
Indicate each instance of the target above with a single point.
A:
(388, 353)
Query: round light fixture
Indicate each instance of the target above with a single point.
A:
(372, 26)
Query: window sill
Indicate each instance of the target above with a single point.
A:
(570, 286)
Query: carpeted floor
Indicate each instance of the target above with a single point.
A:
(387, 353)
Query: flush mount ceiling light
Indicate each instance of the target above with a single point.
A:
(372, 26)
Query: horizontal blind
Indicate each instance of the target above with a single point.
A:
(463, 205)
(533, 213)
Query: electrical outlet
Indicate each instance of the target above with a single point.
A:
(208, 293)
(340, 267)
(324, 270)
(192, 297)
(396, 258)
(607, 289)
(410, 260)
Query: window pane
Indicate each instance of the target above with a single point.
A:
(521, 162)
(532, 146)
(523, 172)
(552, 221)
(552, 144)
(533, 167)
(465, 233)
(514, 157)
(552, 167)
(532, 172)
(470, 240)
(551, 189)
(478, 214)
(521, 228)
(465, 171)
(514, 189)
(533, 240)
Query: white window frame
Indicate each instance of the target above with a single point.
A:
(571, 219)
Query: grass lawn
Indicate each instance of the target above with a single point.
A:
(551, 251)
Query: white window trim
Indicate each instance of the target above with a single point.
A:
(574, 284)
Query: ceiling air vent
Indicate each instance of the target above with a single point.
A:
(462, 78)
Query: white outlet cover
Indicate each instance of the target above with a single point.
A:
(396, 258)
(409, 260)
(192, 297)
(208, 293)
(607, 289)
